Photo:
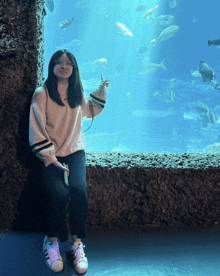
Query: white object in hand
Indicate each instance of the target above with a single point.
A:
(65, 177)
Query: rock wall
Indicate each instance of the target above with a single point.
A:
(21, 70)
(128, 192)
(139, 192)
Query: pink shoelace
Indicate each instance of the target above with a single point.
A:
(79, 253)
(54, 251)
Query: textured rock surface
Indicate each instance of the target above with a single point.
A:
(153, 191)
(21, 70)
(154, 160)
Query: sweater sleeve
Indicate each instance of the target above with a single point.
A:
(38, 137)
(98, 99)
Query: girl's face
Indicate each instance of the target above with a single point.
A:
(63, 68)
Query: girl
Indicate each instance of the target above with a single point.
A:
(55, 136)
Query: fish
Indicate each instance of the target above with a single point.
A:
(173, 3)
(206, 116)
(140, 8)
(122, 27)
(165, 20)
(66, 23)
(149, 12)
(214, 42)
(216, 85)
(101, 61)
(206, 71)
(172, 82)
(166, 34)
(50, 5)
(151, 68)
(195, 73)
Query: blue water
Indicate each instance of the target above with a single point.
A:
(144, 113)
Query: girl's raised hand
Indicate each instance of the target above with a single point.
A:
(106, 82)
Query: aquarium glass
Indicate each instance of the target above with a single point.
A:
(161, 97)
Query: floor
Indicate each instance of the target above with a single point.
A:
(129, 255)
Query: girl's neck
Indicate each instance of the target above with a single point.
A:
(63, 82)
(63, 88)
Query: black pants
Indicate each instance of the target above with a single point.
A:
(56, 196)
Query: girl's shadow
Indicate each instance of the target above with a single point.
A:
(29, 216)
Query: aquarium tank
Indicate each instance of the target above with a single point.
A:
(162, 58)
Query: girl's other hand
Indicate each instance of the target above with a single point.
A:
(62, 167)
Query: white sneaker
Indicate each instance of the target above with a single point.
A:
(80, 262)
(52, 255)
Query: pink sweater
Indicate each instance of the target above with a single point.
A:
(55, 130)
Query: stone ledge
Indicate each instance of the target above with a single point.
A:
(153, 160)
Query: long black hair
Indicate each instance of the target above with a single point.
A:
(75, 88)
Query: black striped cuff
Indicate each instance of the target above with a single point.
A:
(35, 148)
(99, 101)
